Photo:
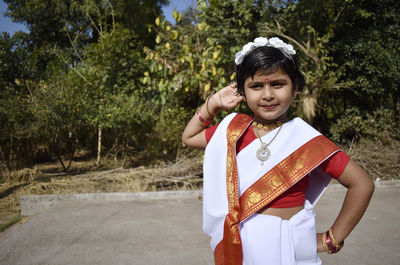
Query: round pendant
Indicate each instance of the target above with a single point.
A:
(263, 153)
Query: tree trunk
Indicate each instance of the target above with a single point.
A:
(98, 147)
(71, 157)
(61, 162)
(10, 154)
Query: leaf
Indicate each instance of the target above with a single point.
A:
(201, 26)
(215, 55)
(214, 71)
(174, 34)
(176, 15)
(207, 87)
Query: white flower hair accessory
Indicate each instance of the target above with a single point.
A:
(275, 42)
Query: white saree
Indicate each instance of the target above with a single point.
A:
(264, 239)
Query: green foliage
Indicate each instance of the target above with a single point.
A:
(119, 66)
(350, 126)
(348, 52)
(16, 137)
(354, 125)
(137, 16)
(370, 52)
(63, 81)
(193, 59)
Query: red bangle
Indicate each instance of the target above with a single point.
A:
(331, 247)
(331, 243)
(203, 121)
(338, 246)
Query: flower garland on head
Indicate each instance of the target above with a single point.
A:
(275, 42)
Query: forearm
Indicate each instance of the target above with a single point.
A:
(360, 189)
(194, 133)
(354, 206)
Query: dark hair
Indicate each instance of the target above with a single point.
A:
(270, 60)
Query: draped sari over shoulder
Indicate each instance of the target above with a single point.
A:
(237, 186)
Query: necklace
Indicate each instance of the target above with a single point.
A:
(263, 153)
(268, 126)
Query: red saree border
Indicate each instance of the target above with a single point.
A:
(219, 257)
(231, 242)
(285, 174)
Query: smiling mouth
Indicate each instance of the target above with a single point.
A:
(269, 107)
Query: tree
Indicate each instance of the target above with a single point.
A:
(83, 70)
(126, 84)
(111, 88)
(137, 16)
(16, 139)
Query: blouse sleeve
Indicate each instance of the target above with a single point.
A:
(335, 165)
(210, 132)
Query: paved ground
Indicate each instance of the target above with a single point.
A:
(168, 231)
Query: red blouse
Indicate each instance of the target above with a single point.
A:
(296, 195)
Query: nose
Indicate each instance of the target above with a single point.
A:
(267, 92)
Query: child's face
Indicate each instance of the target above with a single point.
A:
(269, 95)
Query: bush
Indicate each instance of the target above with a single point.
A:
(354, 125)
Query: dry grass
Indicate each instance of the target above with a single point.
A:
(186, 174)
(381, 158)
(23, 175)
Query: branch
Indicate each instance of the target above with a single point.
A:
(94, 25)
(168, 63)
(311, 55)
(112, 15)
(73, 68)
(73, 46)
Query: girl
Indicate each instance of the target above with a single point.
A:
(263, 174)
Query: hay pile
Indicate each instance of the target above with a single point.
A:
(183, 175)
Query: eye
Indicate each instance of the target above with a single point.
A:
(278, 84)
(256, 86)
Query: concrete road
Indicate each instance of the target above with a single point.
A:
(168, 231)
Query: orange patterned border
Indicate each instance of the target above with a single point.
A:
(231, 244)
(285, 174)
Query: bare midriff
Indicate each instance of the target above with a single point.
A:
(284, 213)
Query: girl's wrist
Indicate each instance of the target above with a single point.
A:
(327, 243)
(212, 104)
(320, 245)
(205, 114)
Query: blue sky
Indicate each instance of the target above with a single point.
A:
(179, 5)
(5, 22)
(7, 25)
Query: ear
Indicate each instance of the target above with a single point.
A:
(294, 92)
(243, 94)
